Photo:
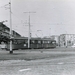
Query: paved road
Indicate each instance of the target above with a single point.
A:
(60, 61)
(59, 66)
(35, 54)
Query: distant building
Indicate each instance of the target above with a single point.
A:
(67, 39)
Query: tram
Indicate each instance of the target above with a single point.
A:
(35, 43)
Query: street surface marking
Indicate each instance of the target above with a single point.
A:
(25, 69)
(60, 63)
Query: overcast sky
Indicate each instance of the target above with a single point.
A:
(52, 17)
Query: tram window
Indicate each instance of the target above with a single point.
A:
(53, 42)
(26, 41)
(43, 41)
(20, 41)
(39, 42)
(32, 41)
(14, 41)
(48, 41)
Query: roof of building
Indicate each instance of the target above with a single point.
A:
(3, 25)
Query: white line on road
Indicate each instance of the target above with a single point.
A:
(25, 69)
(60, 63)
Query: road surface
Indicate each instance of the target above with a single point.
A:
(59, 61)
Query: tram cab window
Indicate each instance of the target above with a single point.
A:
(48, 41)
(20, 41)
(33, 41)
(53, 42)
(36, 41)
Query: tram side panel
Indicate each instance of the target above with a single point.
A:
(18, 44)
(48, 44)
(34, 44)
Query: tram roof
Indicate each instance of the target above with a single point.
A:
(25, 38)
(22, 38)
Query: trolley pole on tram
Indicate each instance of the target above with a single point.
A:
(29, 32)
(11, 51)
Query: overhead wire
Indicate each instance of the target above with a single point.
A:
(4, 6)
(16, 16)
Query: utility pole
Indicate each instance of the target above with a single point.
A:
(11, 51)
(29, 32)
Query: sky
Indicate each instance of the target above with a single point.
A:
(51, 17)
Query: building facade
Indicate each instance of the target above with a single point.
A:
(5, 33)
(67, 39)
